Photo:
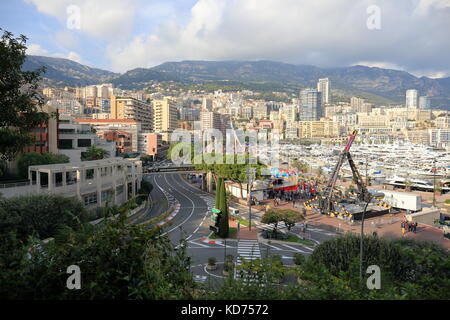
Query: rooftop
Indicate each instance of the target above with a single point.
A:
(83, 164)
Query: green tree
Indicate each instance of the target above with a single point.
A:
(272, 217)
(20, 100)
(223, 207)
(3, 167)
(419, 270)
(35, 158)
(218, 190)
(300, 165)
(290, 217)
(39, 215)
(146, 159)
(94, 153)
(232, 167)
(117, 262)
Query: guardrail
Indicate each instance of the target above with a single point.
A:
(15, 184)
(169, 169)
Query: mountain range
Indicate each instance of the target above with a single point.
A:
(354, 80)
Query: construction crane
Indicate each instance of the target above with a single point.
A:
(326, 203)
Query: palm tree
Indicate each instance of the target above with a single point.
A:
(94, 153)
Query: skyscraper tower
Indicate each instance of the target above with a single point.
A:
(412, 99)
(310, 105)
(323, 86)
(424, 103)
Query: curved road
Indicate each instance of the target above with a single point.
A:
(193, 209)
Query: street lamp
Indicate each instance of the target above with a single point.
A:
(361, 241)
(434, 182)
(251, 176)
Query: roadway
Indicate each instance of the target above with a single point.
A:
(193, 220)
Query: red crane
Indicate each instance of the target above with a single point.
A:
(325, 201)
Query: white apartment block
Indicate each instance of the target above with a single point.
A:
(412, 98)
(95, 183)
(440, 137)
(75, 138)
(323, 86)
(165, 117)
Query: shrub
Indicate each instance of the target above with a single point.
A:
(299, 259)
(40, 215)
(35, 158)
(211, 261)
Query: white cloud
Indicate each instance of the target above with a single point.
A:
(413, 36)
(36, 50)
(66, 39)
(319, 32)
(71, 56)
(109, 19)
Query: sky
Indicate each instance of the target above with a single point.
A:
(119, 35)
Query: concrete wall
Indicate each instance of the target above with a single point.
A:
(426, 216)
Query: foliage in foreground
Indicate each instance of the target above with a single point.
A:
(36, 158)
(20, 100)
(119, 261)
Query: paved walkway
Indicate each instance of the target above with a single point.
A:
(244, 232)
(385, 226)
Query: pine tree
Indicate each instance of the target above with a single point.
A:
(223, 207)
(219, 182)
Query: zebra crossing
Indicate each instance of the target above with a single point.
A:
(246, 250)
(264, 226)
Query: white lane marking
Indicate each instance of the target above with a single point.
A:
(276, 248)
(193, 207)
(190, 215)
(292, 248)
(307, 248)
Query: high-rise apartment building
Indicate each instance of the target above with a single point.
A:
(289, 113)
(411, 98)
(164, 117)
(133, 109)
(247, 112)
(260, 111)
(189, 114)
(91, 92)
(310, 105)
(356, 103)
(211, 120)
(323, 86)
(207, 104)
(424, 103)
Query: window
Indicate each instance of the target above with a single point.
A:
(65, 144)
(107, 195)
(119, 189)
(66, 131)
(90, 174)
(84, 143)
(90, 198)
(104, 171)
